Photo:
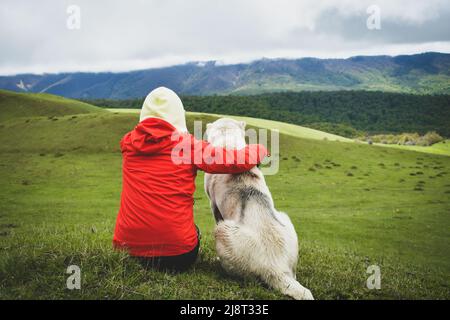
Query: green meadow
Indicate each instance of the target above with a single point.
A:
(442, 148)
(353, 205)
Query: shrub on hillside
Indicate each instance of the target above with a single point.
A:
(432, 137)
(407, 139)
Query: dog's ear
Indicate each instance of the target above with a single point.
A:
(242, 124)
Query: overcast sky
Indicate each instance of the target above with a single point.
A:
(136, 34)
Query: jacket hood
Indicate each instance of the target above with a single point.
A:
(163, 103)
(150, 136)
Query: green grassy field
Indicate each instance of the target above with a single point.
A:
(282, 127)
(15, 104)
(442, 148)
(353, 205)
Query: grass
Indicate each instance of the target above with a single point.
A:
(15, 105)
(359, 206)
(282, 127)
(441, 148)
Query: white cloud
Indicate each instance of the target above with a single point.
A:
(134, 34)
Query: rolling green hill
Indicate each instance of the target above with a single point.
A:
(353, 205)
(442, 148)
(284, 128)
(14, 105)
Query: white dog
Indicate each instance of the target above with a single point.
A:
(252, 237)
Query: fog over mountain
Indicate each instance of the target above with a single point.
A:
(421, 73)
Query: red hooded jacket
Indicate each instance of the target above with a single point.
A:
(156, 211)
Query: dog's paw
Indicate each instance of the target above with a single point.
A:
(302, 294)
(307, 295)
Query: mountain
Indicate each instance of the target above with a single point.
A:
(420, 73)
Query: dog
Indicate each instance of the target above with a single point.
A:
(252, 237)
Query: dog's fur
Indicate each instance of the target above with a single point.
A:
(252, 237)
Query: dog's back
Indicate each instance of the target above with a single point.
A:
(252, 237)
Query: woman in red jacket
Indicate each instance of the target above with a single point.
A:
(160, 162)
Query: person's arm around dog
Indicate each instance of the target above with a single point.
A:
(223, 160)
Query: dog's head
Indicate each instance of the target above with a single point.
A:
(226, 133)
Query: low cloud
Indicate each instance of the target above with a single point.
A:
(134, 34)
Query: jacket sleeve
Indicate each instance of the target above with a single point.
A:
(221, 160)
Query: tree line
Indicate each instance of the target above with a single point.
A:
(347, 113)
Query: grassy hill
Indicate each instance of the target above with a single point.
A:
(442, 148)
(14, 105)
(282, 127)
(353, 205)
